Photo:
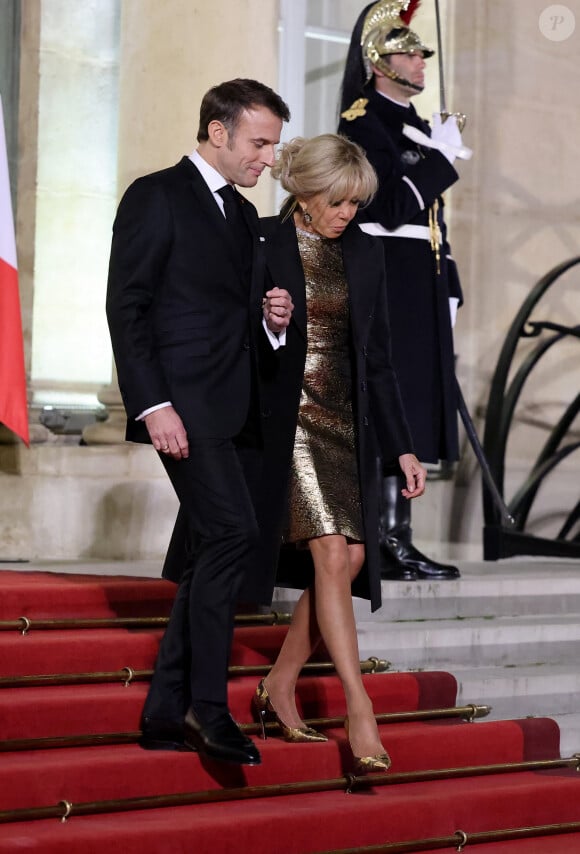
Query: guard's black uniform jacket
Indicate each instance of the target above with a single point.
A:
(419, 284)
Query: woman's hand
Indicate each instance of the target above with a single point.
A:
(415, 475)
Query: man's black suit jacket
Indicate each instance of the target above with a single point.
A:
(183, 321)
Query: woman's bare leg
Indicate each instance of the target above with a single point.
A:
(300, 642)
(335, 616)
(325, 610)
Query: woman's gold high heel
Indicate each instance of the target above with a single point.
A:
(369, 764)
(264, 710)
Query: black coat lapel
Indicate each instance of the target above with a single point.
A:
(210, 209)
(358, 272)
(250, 215)
(205, 198)
(285, 266)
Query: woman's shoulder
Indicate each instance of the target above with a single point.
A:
(364, 249)
(275, 226)
(361, 239)
(269, 225)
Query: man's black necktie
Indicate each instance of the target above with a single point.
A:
(231, 203)
(237, 224)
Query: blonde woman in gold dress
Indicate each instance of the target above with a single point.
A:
(336, 368)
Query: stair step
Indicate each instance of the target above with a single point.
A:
(54, 711)
(510, 587)
(102, 650)
(449, 643)
(320, 822)
(41, 778)
(569, 725)
(518, 690)
(83, 651)
(50, 595)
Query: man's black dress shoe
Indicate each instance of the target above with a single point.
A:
(160, 734)
(403, 557)
(220, 739)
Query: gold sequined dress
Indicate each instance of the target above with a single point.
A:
(324, 489)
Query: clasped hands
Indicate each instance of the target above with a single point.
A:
(277, 307)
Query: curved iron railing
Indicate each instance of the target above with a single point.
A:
(501, 540)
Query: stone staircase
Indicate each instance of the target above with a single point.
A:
(509, 631)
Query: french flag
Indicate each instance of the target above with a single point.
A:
(13, 404)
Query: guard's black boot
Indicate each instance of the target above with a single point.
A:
(400, 560)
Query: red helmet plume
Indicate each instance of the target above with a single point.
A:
(411, 9)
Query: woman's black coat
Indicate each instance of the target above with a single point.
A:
(380, 426)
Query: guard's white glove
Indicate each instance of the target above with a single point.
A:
(445, 137)
(453, 306)
(446, 132)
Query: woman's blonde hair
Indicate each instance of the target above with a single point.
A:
(329, 164)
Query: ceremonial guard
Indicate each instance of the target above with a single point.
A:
(414, 164)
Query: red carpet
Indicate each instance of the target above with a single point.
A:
(281, 824)
(53, 594)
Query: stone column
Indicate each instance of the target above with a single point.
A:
(167, 62)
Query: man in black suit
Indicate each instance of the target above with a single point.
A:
(188, 315)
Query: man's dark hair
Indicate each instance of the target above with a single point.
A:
(226, 102)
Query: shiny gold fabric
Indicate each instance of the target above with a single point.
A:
(324, 492)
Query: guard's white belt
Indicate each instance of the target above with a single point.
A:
(418, 232)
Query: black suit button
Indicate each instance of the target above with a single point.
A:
(246, 345)
(363, 385)
(365, 421)
(266, 413)
(364, 350)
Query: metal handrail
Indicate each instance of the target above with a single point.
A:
(505, 393)
(65, 810)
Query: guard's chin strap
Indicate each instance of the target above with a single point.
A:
(377, 60)
(392, 75)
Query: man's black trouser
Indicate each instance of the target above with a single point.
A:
(193, 658)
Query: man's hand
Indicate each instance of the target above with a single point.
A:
(446, 131)
(415, 475)
(277, 307)
(441, 134)
(167, 432)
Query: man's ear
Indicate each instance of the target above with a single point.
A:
(217, 133)
(377, 71)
